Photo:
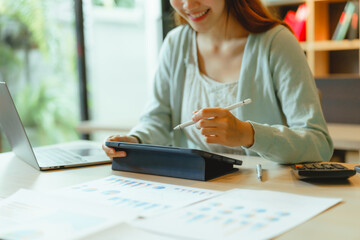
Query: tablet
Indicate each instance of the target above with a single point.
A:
(171, 161)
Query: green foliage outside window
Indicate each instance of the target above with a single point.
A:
(46, 100)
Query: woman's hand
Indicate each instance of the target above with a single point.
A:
(220, 126)
(111, 151)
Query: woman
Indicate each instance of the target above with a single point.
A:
(226, 51)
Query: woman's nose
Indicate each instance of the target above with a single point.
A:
(190, 4)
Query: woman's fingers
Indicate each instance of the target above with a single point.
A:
(220, 126)
(118, 138)
(207, 113)
(206, 123)
(213, 139)
(111, 153)
(210, 131)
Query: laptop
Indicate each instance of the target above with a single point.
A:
(43, 158)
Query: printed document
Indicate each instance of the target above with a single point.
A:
(141, 198)
(239, 214)
(35, 215)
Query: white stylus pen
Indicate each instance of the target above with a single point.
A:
(231, 107)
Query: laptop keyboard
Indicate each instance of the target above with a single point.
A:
(57, 156)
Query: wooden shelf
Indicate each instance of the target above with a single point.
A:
(330, 1)
(334, 45)
(336, 76)
(272, 3)
(304, 46)
(321, 51)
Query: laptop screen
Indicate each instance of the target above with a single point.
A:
(14, 130)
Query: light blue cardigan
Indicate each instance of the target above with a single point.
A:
(285, 111)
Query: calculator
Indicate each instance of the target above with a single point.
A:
(322, 171)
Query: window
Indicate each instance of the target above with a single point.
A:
(123, 42)
(38, 62)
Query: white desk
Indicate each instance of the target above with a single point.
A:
(340, 222)
(346, 137)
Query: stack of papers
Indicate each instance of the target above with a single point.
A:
(139, 198)
(239, 214)
(33, 215)
(84, 209)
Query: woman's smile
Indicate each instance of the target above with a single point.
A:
(198, 16)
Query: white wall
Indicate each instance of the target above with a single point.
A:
(122, 52)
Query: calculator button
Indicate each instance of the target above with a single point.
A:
(327, 166)
(300, 167)
(309, 166)
(318, 166)
(323, 170)
(338, 166)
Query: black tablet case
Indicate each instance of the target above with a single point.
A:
(172, 162)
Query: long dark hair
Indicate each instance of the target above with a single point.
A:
(251, 14)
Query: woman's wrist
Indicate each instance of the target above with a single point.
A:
(249, 135)
(136, 138)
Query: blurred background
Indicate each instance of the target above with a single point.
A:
(79, 69)
(38, 62)
(82, 69)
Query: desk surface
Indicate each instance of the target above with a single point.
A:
(339, 222)
(345, 136)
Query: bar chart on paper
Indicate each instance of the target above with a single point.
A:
(34, 215)
(239, 214)
(139, 197)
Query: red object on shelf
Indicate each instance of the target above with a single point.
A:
(297, 21)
